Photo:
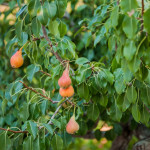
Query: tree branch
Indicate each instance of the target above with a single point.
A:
(31, 89)
(36, 39)
(13, 130)
(45, 73)
(50, 44)
(50, 122)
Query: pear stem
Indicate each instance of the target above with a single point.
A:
(23, 46)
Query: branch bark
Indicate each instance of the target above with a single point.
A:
(45, 73)
(13, 130)
(36, 39)
(50, 44)
(31, 89)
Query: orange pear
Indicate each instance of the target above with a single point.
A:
(64, 81)
(68, 92)
(16, 60)
(72, 126)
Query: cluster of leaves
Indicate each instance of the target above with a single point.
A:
(108, 49)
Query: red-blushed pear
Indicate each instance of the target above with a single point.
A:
(64, 81)
(72, 126)
(68, 92)
(16, 60)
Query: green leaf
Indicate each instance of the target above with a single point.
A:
(146, 20)
(114, 16)
(33, 7)
(136, 112)
(35, 26)
(131, 94)
(145, 116)
(21, 11)
(93, 112)
(42, 15)
(129, 50)
(51, 9)
(24, 112)
(63, 122)
(43, 106)
(103, 100)
(32, 128)
(62, 29)
(134, 65)
(108, 76)
(67, 139)
(36, 144)
(99, 36)
(119, 81)
(83, 91)
(126, 104)
(49, 128)
(115, 112)
(28, 143)
(56, 123)
(126, 71)
(128, 5)
(53, 27)
(31, 70)
(71, 47)
(24, 38)
(61, 7)
(57, 142)
(130, 26)
(5, 142)
(18, 29)
(4, 104)
(144, 95)
(81, 61)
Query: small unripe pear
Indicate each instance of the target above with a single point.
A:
(16, 60)
(64, 81)
(72, 126)
(68, 92)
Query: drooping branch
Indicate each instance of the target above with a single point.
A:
(13, 130)
(50, 44)
(40, 127)
(31, 89)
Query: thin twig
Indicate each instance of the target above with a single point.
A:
(36, 39)
(45, 73)
(30, 88)
(117, 2)
(50, 122)
(50, 44)
(70, 102)
(13, 130)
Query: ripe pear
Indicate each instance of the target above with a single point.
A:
(16, 60)
(72, 126)
(64, 81)
(68, 92)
